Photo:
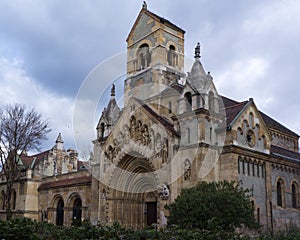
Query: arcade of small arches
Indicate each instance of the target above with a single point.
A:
(251, 167)
(143, 56)
(65, 211)
(191, 102)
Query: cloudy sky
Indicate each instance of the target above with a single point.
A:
(48, 48)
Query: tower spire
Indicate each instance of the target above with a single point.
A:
(113, 91)
(197, 51)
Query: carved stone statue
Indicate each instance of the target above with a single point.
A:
(120, 138)
(187, 170)
(158, 145)
(164, 192)
(133, 128)
(164, 151)
(126, 134)
(139, 131)
(109, 153)
(115, 148)
(151, 139)
(145, 135)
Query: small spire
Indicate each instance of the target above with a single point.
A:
(59, 139)
(145, 5)
(113, 91)
(197, 51)
(209, 76)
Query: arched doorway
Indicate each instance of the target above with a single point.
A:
(60, 212)
(77, 210)
(135, 178)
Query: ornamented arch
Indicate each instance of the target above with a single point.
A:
(55, 200)
(135, 173)
(129, 201)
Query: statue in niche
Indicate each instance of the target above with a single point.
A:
(120, 138)
(151, 139)
(126, 134)
(109, 153)
(115, 148)
(187, 170)
(145, 135)
(164, 151)
(139, 131)
(133, 128)
(158, 145)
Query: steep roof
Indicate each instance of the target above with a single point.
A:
(271, 123)
(83, 180)
(165, 123)
(173, 88)
(111, 113)
(285, 153)
(162, 20)
(31, 161)
(233, 108)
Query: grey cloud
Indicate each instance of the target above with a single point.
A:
(62, 41)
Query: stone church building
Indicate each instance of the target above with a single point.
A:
(174, 130)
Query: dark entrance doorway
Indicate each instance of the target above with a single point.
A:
(60, 213)
(151, 213)
(77, 210)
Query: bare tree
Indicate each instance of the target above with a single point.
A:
(21, 129)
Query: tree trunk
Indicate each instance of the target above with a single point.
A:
(8, 200)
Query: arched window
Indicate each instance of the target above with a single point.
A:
(77, 210)
(172, 56)
(144, 56)
(188, 98)
(294, 195)
(170, 107)
(279, 193)
(60, 212)
(102, 129)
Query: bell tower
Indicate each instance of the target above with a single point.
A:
(155, 46)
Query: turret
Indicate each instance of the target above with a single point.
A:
(109, 116)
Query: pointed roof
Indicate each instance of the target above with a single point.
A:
(198, 77)
(233, 111)
(166, 22)
(59, 139)
(271, 123)
(233, 108)
(164, 122)
(109, 113)
(32, 161)
(174, 88)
